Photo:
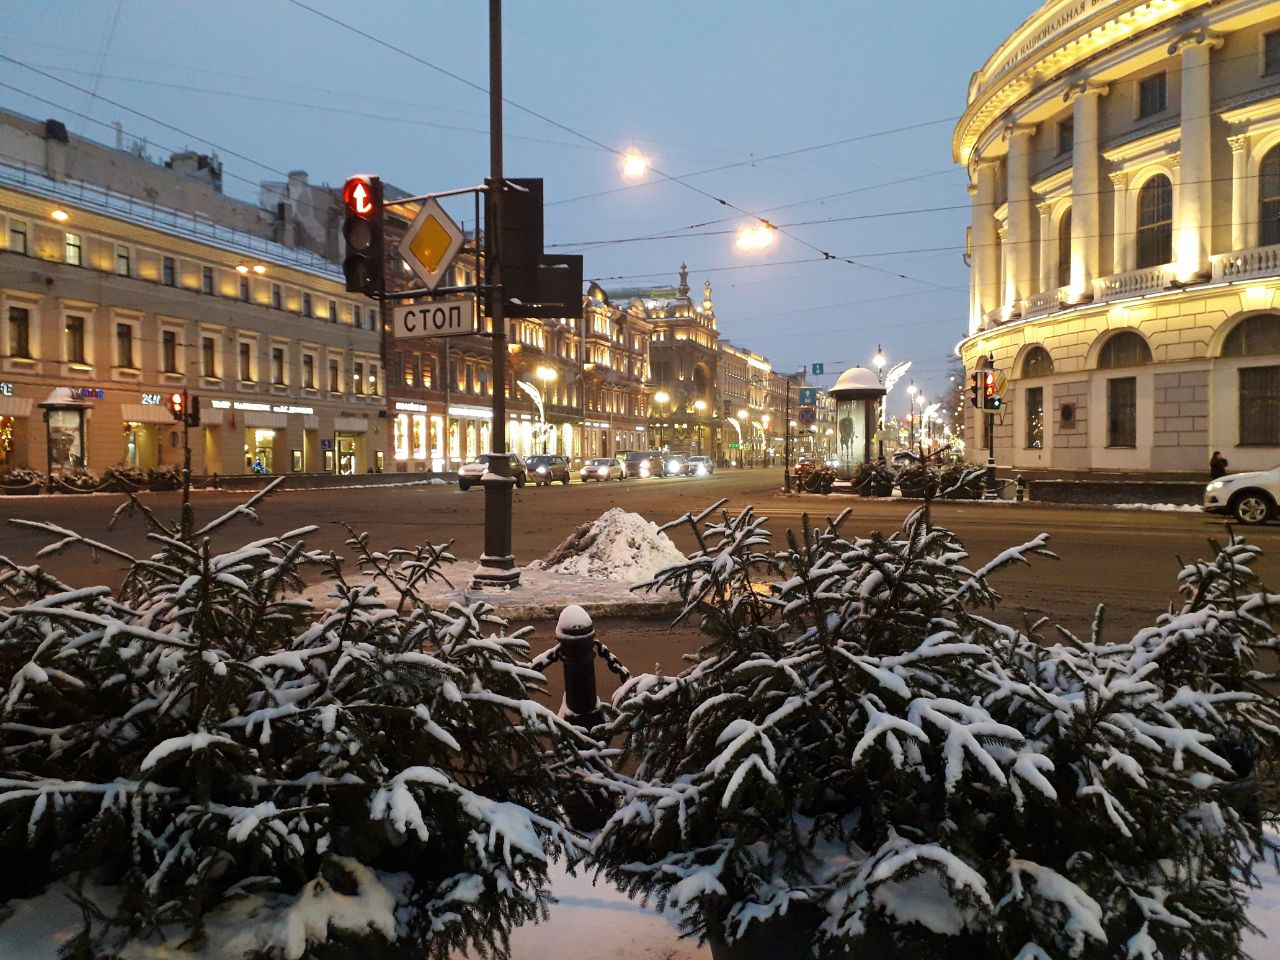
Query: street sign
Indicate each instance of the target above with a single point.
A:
(1001, 382)
(431, 243)
(808, 416)
(735, 446)
(809, 395)
(444, 317)
(817, 369)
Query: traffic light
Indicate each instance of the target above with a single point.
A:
(193, 412)
(990, 398)
(362, 231)
(975, 389)
(176, 402)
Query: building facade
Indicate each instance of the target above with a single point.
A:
(1124, 165)
(123, 280)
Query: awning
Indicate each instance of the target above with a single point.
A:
(350, 425)
(145, 413)
(16, 406)
(262, 419)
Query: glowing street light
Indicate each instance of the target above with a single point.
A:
(661, 398)
(60, 215)
(757, 237)
(634, 164)
(699, 407)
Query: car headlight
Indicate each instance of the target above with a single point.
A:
(644, 470)
(603, 471)
(702, 470)
(673, 466)
(1216, 485)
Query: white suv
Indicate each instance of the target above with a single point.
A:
(1251, 497)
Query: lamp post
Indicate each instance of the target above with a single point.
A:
(661, 399)
(878, 361)
(699, 407)
(911, 405)
(742, 444)
(545, 375)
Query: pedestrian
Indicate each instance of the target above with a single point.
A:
(1217, 465)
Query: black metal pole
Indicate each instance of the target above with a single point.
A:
(497, 564)
(187, 517)
(990, 492)
(786, 442)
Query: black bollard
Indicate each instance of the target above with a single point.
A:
(577, 636)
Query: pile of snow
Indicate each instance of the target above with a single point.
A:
(618, 546)
(1165, 507)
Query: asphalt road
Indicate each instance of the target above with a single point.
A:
(1123, 558)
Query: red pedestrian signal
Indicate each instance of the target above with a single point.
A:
(176, 403)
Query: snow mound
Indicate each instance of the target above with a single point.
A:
(618, 546)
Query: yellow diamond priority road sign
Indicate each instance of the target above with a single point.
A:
(431, 243)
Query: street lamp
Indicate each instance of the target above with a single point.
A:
(661, 398)
(911, 404)
(634, 164)
(742, 444)
(545, 375)
(698, 407)
(878, 361)
(756, 237)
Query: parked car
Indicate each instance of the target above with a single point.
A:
(700, 467)
(548, 468)
(471, 473)
(1250, 497)
(601, 468)
(804, 466)
(675, 465)
(641, 463)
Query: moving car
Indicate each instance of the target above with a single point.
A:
(641, 463)
(548, 468)
(601, 468)
(1250, 497)
(674, 465)
(700, 467)
(804, 466)
(471, 473)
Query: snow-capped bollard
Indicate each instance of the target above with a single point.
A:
(577, 636)
(1019, 488)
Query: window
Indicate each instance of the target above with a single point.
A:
(335, 381)
(1037, 363)
(275, 295)
(209, 358)
(122, 260)
(333, 310)
(20, 332)
(410, 369)
(1122, 412)
(246, 362)
(1035, 418)
(277, 365)
(357, 377)
(306, 304)
(168, 272)
(1124, 349)
(355, 315)
(1269, 198)
(1253, 336)
(373, 318)
(308, 371)
(1271, 53)
(373, 379)
(1260, 405)
(169, 351)
(1152, 95)
(71, 249)
(73, 339)
(206, 279)
(124, 346)
(1066, 135)
(1155, 222)
(18, 236)
(1064, 250)
(244, 289)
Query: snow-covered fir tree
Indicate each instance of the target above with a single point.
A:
(203, 749)
(864, 755)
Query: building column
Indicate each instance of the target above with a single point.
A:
(1122, 240)
(1048, 248)
(1242, 236)
(1018, 253)
(1193, 212)
(1086, 224)
(986, 262)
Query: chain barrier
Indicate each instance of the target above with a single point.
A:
(612, 662)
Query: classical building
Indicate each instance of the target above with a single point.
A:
(123, 280)
(1124, 164)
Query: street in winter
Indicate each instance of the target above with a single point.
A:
(647, 481)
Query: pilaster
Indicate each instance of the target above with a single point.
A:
(1242, 230)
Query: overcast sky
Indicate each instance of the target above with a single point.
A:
(832, 118)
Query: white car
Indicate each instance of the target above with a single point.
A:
(1250, 497)
(601, 468)
(700, 467)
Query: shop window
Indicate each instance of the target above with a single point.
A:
(209, 358)
(206, 279)
(18, 236)
(357, 378)
(1259, 406)
(308, 371)
(1269, 198)
(1037, 363)
(72, 251)
(124, 346)
(1271, 53)
(1152, 95)
(335, 378)
(1155, 222)
(277, 366)
(1064, 250)
(246, 362)
(169, 351)
(1124, 349)
(122, 260)
(168, 272)
(1035, 418)
(275, 295)
(73, 339)
(1122, 412)
(20, 332)
(1066, 135)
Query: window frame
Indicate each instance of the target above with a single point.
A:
(1154, 240)
(1268, 58)
(72, 248)
(1269, 170)
(169, 344)
(124, 258)
(126, 347)
(1034, 438)
(279, 365)
(246, 360)
(1066, 136)
(276, 297)
(1258, 409)
(334, 375)
(307, 306)
(168, 271)
(80, 339)
(18, 228)
(1152, 82)
(209, 355)
(19, 332)
(207, 280)
(1122, 421)
(1064, 249)
(308, 370)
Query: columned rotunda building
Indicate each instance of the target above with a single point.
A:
(1124, 167)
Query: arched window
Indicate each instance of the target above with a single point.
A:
(1155, 222)
(1253, 336)
(1037, 363)
(1124, 349)
(1269, 198)
(1064, 250)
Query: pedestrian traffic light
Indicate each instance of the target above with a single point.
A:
(176, 403)
(975, 389)
(362, 232)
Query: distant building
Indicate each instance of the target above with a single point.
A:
(1124, 165)
(122, 280)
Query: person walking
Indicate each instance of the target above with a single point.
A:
(1217, 465)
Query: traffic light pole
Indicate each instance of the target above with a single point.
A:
(989, 492)
(187, 521)
(497, 567)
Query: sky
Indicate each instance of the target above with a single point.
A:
(829, 118)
